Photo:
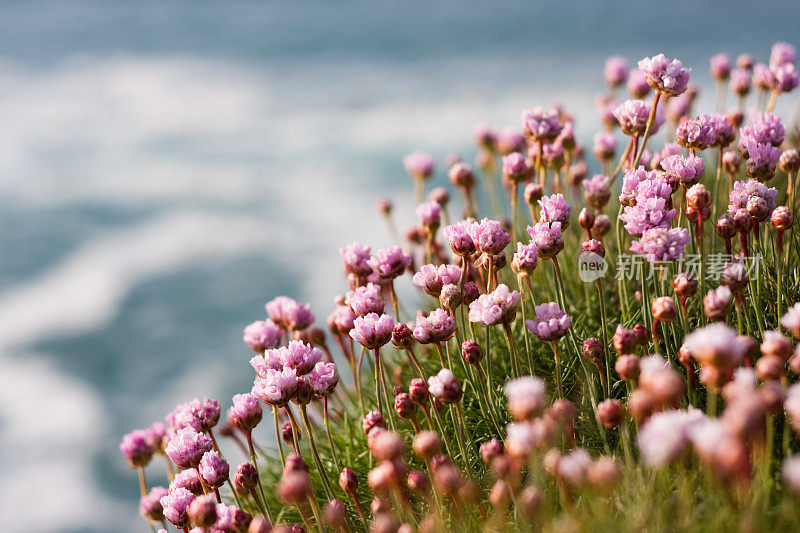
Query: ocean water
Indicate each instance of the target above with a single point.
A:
(166, 168)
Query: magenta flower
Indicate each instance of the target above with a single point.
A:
(196, 414)
(630, 184)
(650, 210)
(489, 236)
(782, 53)
(150, 504)
(276, 387)
(547, 238)
(432, 278)
(498, 306)
(372, 331)
(632, 116)
(186, 447)
(665, 76)
(541, 124)
(696, 133)
(550, 322)
(764, 128)
(762, 159)
(300, 356)
(245, 413)
(740, 82)
(429, 214)
(553, 154)
(720, 67)
(516, 167)
(277, 309)
(419, 165)
(597, 191)
(324, 379)
(262, 335)
(213, 470)
(684, 170)
(438, 326)
(662, 244)
(510, 140)
(458, 237)
(176, 504)
(445, 387)
(724, 132)
(783, 78)
(555, 209)
(270, 359)
(743, 191)
(637, 84)
(525, 259)
(356, 257)
(605, 146)
(389, 263)
(484, 135)
(137, 448)
(615, 71)
(189, 480)
(342, 319)
(366, 299)
(665, 436)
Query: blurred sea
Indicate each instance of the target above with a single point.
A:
(167, 167)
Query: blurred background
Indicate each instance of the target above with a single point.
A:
(166, 168)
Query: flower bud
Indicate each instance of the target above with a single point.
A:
(782, 218)
(402, 336)
(460, 175)
(246, 476)
(627, 366)
(533, 193)
(471, 352)
(770, 368)
(684, 285)
(260, 524)
(603, 473)
(287, 433)
(642, 334)
(726, 227)
(450, 297)
(698, 197)
(491, 449)
(405, 406)
(594, 246)
(371, 420)
(294, 487)
(470, 293)
(624, 340)
(664, 309)
(203, 511)
(386, 445)
(610, 413)
(734, 276)
(776, 345)
(348, 480)
(601, 226)
(440, 196)
(586, 219)
(499, 495)
(789, 161)
(743, 221)
(419, 483)
(418, 391)
(335, 513)
(757, 208)
(427, 445)
(380, 506)
(593, 350)
(641, 405)
(731, 161)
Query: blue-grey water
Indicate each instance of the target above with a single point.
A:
(167, 167)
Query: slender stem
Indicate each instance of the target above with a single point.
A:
(142, 481)
(559, 386)
(377, 370)
(604, 331)
(254, 459)
(278, 436)
(512, 349)
(650, 120)
(328, 432)
(322, 473)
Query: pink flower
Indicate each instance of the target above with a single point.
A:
(213, 470)
(547, 238)
(186, 447)
(324, 379)
(419, 165)
(389, 263)
(541, 125)
(438, 326)
(356, 257)
(366, 299)
(245, 413)
(666, 77)
(372, 331)
(498, 306)
(176, 504)
(300, 356)
(527, 397)
(489, 236)
(550, 322)
(429, 214)
(445, 387)
(665, 436)
(615, 71)
(555, 209)
(791, 320)
(458, 237)
(524, 259)
(276, 387)
(262, 335)
(716, 345)
(432, 278)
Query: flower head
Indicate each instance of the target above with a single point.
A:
(366, 299)
(651, 209)
(432, 278)
(498, 306)
(458, 237)
(176, 504)
(245, 413)
(186, 447)
(761, 159)
(213, 470)
(516, 167)
(685, 170)
(300, 356)
(276, 387)
(764, 128)
(547, 238)
(324, 379)
(150, 504)
(372, 331)
(661, 244)
(356, 257)
(429, 214)
(604, 145)
(615, 71)
(341, 320)
(137, 448)
(262, 335)
(632, 116)
(419, 165)
(527, 397)
(665, 76)
(525, 259)
(489, 236)
(541, 124)
(782, 53)
(716, 345)
(723, 130)
(597, 191)
(555, 209)
(720, 66)
(550, 322)
(445, 387)
(438, 326)
(791, 320)
(389, 263)
(696, 133)
(744, 191)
